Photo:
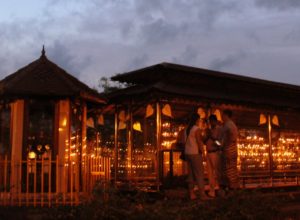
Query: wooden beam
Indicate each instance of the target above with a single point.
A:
(17, 118)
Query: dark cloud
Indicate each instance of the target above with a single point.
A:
(293, 36)
(211, 11)
(188, 56)
(138, 62)
(2, 67)
(64, 56)
(279, 4)
(160, 31)
(96, 38)
(61, 55)
(230, 60)
(148, 9)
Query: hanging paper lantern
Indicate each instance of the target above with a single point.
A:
(31, 155)
(262, 119)
(149, 111)
(137, 126)
(166, 110)
(275, 120)
(100, 120)
(90, 122)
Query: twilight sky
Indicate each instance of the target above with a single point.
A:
(95, 38)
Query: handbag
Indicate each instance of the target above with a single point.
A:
(182, 156)
(181, 147)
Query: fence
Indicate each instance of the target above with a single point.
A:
(48, 182)
(173, 167)
(279, 178)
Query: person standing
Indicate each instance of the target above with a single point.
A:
(194, 157)
(229, 135)
(212, 140)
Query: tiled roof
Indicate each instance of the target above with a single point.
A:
(201, 84)
(43, 78)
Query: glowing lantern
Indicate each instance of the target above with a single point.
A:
(275, 120)
(262, 119)
(137, 126)
(47, 147)
(149, 111)
(100, 120)
(90, 122)
(31, 155)
(166, 110)
(64, 122)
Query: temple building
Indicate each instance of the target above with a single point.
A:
(44, 155)
(159, 99)
(58, 137)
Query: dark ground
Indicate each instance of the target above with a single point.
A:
(278, 203)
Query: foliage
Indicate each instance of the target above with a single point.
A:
(130, 203)
(107, 86)
(108, 203)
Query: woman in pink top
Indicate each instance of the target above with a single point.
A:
(194, 157)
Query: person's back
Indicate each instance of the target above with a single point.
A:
(191, 146)
(230, 133)
(194, 157)
(230, 154)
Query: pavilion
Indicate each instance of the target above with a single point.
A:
(154, 107)
(44, 158)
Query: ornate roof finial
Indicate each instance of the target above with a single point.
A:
(43, 51)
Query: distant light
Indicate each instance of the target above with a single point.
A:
(31, 155)
(64, 122)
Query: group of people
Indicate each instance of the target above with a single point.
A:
(220, 141)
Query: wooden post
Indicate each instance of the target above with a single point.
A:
(71, 177)
(42, 181)
(6, 190)
(77, 176)
(91, 170)
(158, 143)
(63, 143)
(84, 187)
(34, 184)
(27, 181)
(129, 141)
(17, 117)
(65, 186)
(49, 179)
(116, 147)
(19, 192)
(84, 146)
(56, 179)
(270, 149)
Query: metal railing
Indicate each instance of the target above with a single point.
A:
(49, 182)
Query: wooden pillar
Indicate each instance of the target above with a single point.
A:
(63, 142)
(83, 157)
(270, 149)
(116, 161)
(130, 142)
(158, 144)
(17, 116)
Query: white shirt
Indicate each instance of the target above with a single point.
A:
(191, 145)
